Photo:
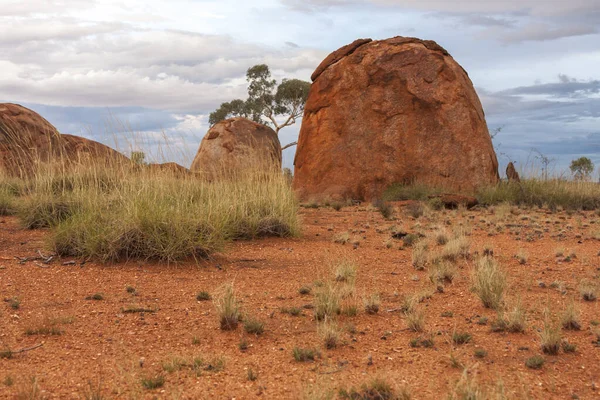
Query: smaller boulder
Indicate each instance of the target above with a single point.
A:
(511, 173)
(236, 145)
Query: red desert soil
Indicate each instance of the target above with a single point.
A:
(102, 345)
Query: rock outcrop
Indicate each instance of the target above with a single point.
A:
(236, 145)
(511, 173)
(399, 110)
(27, 140)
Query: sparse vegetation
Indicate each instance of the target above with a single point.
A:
(330, 333)
(203, 296)
(227, 308)
(588, 290)
(461, 337)
(535, 362)
(385, 208)
(415, 319)
(96, 297)
(550, 337)
(327, 302)
(377, 389)
(345, 271)
(489, 282)
(372, 304)
(571, 318)
(253, 326)
(303, 355)
(155, 382)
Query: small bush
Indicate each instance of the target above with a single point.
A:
(327, 302)
(251, 375)
(456, 248)
(293, 311)
(489, 282)
(571, 317)
(516, 319)
(42, 211)
(372, 304)
(410, 239)
(330, 334)
(7, 202)
(154, 382)
(303, 355)
(304, 290)
(203, 296)
(415, 210)
(227, 308)
(377, 389)
(385, 208)
(461, 337)
(522, 256)
(480, 353)
(253, 326)
(14, 303)
(568, 347)
(345, 271)
(96, 297)
(415, 319)
(420, 256)
(588, 290)
(442, 272)
(535, 362)
(550, 337)
(342, 238)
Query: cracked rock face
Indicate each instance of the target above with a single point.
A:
(236, 145)
(399, 110)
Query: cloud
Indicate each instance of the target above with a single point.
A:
(116, 64)
(546, 31)
(509, 21)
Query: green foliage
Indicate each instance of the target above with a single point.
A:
(7, 201)
(535, 362)
(582, 168)
(266, 100)
(303, 355)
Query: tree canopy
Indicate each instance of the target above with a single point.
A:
(582, 167)
(266, 100)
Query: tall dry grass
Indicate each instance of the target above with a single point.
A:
(534, 191)
(114, 211)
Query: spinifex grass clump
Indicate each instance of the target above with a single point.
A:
(489, 282)
(227, 308)
(120, 212)
(540, 192)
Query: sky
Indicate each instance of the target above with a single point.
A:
(143, 75)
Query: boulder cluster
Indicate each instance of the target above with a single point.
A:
(383, 112)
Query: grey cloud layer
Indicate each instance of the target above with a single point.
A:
(506, 20)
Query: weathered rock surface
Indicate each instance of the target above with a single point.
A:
(511, 173)
(399, 110)
(236, 145)
(27, 139)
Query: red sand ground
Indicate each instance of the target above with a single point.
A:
(102, 346)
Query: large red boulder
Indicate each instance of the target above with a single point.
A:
(399, 110)
(27, 141)
(237, 145)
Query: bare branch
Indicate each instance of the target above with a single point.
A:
(287, 146)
